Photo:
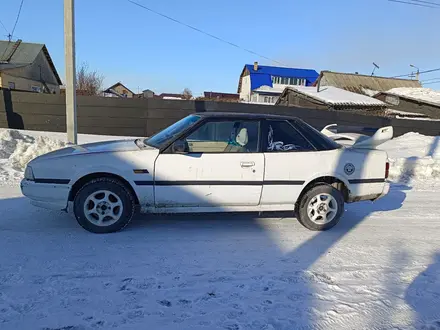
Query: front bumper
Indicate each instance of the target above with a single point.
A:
(46, 195)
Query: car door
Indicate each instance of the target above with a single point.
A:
(287, 160)
(218, 164)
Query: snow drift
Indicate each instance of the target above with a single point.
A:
(17, 149)
(413, 156)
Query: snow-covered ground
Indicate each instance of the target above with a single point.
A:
(379, 268)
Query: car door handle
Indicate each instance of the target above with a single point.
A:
(247, 164)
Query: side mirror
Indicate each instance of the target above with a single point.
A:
(180, 147)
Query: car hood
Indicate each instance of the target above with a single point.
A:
(108, 146)
(96, 147)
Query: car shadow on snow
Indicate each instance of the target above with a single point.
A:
(230, 271)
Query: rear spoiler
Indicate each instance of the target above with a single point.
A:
(380, 136)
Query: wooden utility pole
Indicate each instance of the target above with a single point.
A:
(69, 50)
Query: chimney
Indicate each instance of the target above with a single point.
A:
(255, 66)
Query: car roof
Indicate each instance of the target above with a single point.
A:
(243, 115)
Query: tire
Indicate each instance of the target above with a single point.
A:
(314, 212)
(110, 203)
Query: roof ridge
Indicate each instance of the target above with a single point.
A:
(364, 75)
(281, 67)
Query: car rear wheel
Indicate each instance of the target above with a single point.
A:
(321, 207)
(104, 205)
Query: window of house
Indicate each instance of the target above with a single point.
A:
(11, 85)
(224, 136)
(283, 137)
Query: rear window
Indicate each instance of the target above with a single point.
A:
(319, 140)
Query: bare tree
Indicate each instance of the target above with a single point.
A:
(187, 94)
(88, 82)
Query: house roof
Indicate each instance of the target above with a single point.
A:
(357, 83)
(422, 95)
(221, 95)
(334, 96)
(18, 54)
(170, 95)
(263, 76)
(109, 90)
(269, 90)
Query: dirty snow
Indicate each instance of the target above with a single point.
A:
(378, 269)
(424, 94)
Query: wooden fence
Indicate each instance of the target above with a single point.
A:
(144, 117)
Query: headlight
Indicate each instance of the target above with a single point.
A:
(29, 174)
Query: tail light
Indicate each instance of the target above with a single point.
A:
(387, 170)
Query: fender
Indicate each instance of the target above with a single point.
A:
(336, 175)
(100, 169)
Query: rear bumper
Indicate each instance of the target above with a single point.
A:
(45, 195)
(385, 191)
(370, 197)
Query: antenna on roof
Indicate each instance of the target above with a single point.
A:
(374, 69)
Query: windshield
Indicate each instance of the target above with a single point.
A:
(163, 137)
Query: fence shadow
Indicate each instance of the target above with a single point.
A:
(14, 120)
(423, 295)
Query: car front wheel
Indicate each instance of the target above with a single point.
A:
(104, 205)
(321, 207)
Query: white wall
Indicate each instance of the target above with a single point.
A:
(281, 86)
(264, 98)
(245, 92)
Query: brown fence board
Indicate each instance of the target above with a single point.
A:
(144, 117)
(97, 111)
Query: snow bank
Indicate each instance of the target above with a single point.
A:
(425, 94)
(413, 157)
(17, 149)
(410, 169)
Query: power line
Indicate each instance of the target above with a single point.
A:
(427, 2)
(413, 3)
(18, 16)
(432, 82)
(407, 75)
(203, 32)
(4, 27)
(437, 78)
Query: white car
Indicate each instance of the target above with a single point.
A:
(209, 162)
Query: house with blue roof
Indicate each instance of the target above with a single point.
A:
(264, 84)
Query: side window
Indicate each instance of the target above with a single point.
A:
(282, 137)
(224, 136)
